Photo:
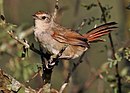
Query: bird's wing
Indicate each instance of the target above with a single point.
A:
(68, 36)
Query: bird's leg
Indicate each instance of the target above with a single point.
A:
(54, 59)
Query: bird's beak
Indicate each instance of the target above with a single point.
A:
(34, 16)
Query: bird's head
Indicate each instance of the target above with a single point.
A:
(42, 16)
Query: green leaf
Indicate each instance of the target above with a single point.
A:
(118, 57)
(110, 64)
(115, 90)
(124, 71)
(111, 78)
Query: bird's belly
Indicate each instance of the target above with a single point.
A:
(73, 52)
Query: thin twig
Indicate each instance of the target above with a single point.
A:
(39, 69)
(70, 73)
(113, 50)
(55, 10)
(63, 87)
(22, 35)
(18, 40)
(81, 25)
(74, 67)
(24, 43)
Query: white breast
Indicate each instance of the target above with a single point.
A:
(46, 41)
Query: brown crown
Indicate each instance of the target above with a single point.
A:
(40, 12)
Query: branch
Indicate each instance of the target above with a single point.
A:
(47, 69)
(31, 47)
(113, 50)
(16, 38)
(22, 35)
(10, 85)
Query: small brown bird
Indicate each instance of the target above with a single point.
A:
(53, 37)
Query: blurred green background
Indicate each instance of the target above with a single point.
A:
(19, 12)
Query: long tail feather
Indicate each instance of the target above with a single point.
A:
(95, 34)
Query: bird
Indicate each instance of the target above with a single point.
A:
(52, 37)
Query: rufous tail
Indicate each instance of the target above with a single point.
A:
(95, 34)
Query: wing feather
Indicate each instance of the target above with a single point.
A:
(68, 36)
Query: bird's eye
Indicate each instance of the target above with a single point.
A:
(43, 17)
